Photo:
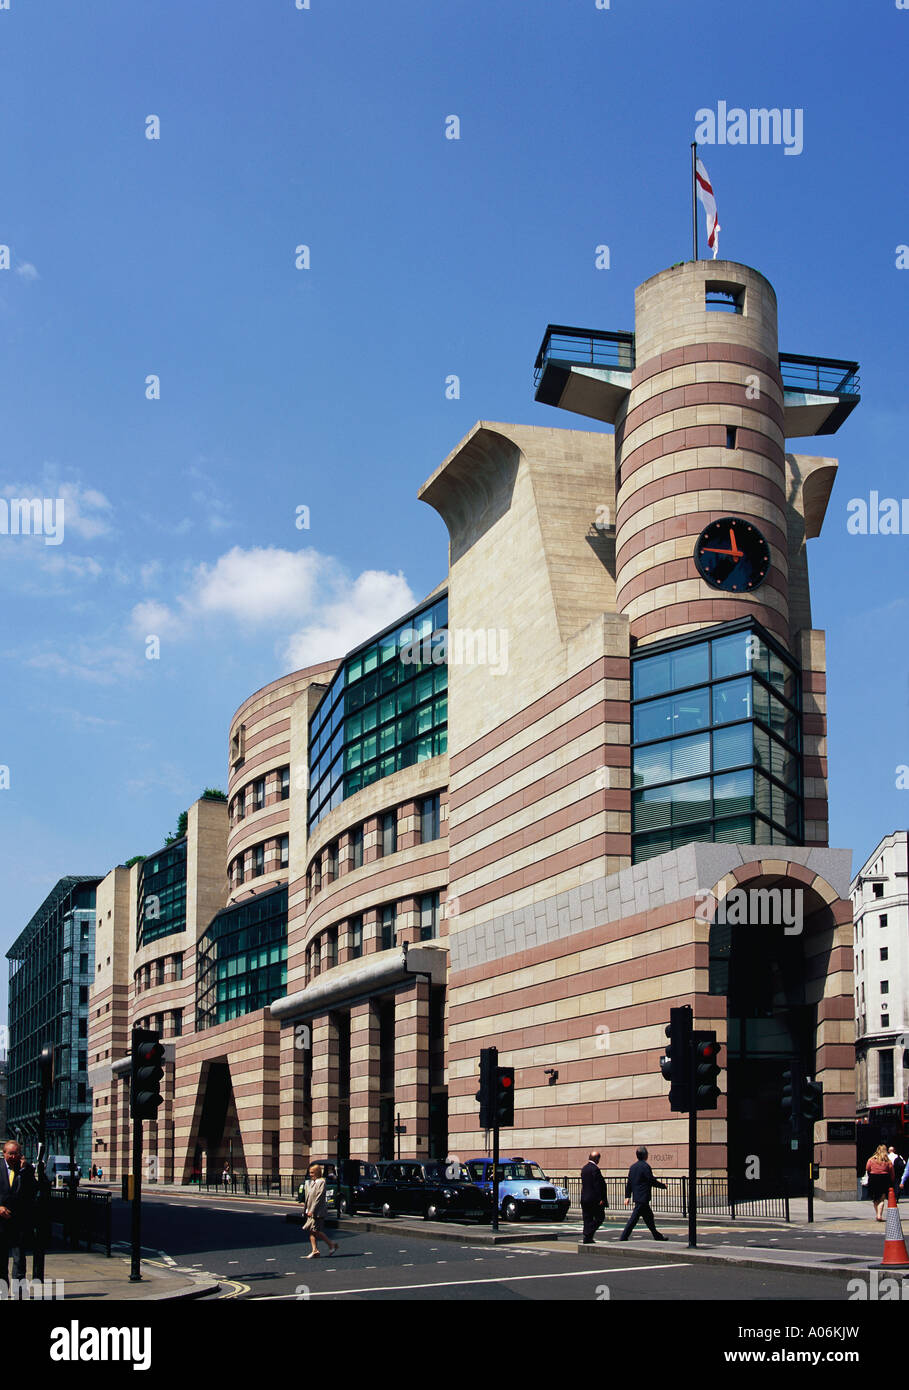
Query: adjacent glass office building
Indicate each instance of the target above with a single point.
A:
(51, 970)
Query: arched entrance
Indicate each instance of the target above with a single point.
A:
(770, 942)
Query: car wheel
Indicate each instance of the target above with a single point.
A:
(386, 1209)
(510, 1210)
(432, 1212)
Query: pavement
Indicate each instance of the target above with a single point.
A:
(91, 1277)
(844, 1239)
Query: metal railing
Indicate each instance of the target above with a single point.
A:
(591, 347)
(827, 376)
(712, 1198)
(251, 1184)
(83, 1217)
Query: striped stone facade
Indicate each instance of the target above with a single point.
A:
(519, 919)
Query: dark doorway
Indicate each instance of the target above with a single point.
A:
(762, 972)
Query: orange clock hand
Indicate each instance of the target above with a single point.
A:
(712, 549)
(735, 549)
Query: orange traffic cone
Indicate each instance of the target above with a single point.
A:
(896, 1255)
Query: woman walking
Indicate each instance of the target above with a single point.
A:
(316, 1207)
(880, 1179)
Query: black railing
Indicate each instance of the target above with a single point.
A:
(83, 1217)
(591, 347)
(712, 1193)
(827, 376)
(251, 1184)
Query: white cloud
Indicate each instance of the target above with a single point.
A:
(27, 271)
(102, 665)
(258, 584)
(355, 611)
(86, 511)
(271, 588)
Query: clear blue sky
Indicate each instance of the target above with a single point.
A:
(325, 388)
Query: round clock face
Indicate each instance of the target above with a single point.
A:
(732, 555)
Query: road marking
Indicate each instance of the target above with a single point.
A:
(449, 1283)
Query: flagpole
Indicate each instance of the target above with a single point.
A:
(694, 195)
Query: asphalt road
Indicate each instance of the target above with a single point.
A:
(256, 1254)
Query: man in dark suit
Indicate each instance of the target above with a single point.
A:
(639, 1185)
(18, 1189)
(593, 1197)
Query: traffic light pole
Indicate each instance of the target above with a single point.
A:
(495, 1174)
(135, 1273)
(692, 1150)
(494, 1063)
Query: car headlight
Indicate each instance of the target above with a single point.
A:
(447, 1195)
(526, 1191)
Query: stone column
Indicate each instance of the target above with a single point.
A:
(364, 1081)
(296, 1041)
(324, 1086)
(412, 1068)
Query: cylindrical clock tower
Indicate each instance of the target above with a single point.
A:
(700, 440)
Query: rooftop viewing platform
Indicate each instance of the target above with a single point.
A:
(588, 371)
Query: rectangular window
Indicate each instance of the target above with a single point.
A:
(259, 859)
(356, 844)
(885, 951)
(284, 848)
(390, 832)
(332, 953)
(429, 916)
(721, 296)
(883, 919)
(177, 1020)
(885, 986)
(178, 967)
(241, 804)
(356, 937)
(430, 826)
(285, 783)
(83, 1061)
(877, 889)
(259, 793)
(83, 963)
(389, 926)
(159, 971)
(83, 1028)
(885, 1072)
(730, 436)
(83, 994)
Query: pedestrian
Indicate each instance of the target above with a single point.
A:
(225, 1175)
(639, 1186)
(898, 1165)
(100, 1172)
(93, 1174)
(594, 1200)
(18, 1190)
(316, 1207)
(880, 1179)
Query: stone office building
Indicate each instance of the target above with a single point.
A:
(542, 841)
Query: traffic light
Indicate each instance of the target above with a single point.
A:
(486, 1095)
(504, 1096)
(145, 1075)
(46, 1068)
(812, 1100)
(675, 1062)
(706, 1070)
(792, 1095)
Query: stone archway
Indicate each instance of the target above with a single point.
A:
(779, 948)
